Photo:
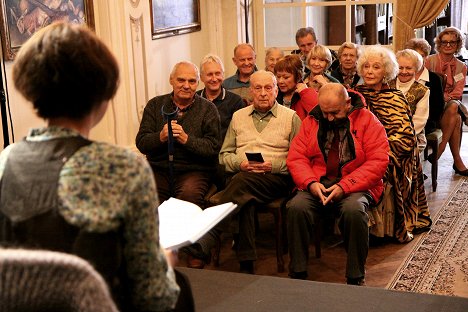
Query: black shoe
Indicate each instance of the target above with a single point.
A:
(460, 172)
(247, 267)
(360, 281)
(298, 275)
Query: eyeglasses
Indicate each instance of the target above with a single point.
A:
(446, 43)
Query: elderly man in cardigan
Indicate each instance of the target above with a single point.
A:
(264, 127)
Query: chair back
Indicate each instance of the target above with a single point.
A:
(36, 280)
(443, 79)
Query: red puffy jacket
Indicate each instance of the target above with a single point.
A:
(368, 148)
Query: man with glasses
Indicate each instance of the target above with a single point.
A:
(265, 127)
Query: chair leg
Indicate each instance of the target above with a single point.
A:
(217, 251)
(279, 240)
(435, 166)
(317, 239)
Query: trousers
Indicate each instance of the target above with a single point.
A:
(302, 213)
(247, 190)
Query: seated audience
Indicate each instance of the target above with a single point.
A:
(272, 56)
(448, 43)
(346, 72)
(293, 93)
(61, 191)
(416, 94)
(245, 60)
(318, 60)
(407, 197)
(264, 127)
(341, 170)
(430, 80)
(188, 173)
(227, 102)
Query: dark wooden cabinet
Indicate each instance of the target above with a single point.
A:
(441, 22)
(370, 24)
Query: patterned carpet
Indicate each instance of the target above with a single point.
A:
(438, 264)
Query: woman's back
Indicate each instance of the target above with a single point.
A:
(101, 207)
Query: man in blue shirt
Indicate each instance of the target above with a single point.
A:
(239, 83)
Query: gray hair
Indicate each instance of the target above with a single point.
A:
(271, 50)
(349, 45)
(211, 58)
(414, 56)
(176, 66)
(386, 55)
(263, 72)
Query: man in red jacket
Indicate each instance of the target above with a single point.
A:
(337, 161)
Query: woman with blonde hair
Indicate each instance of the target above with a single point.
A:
(319, 60)
(405, 194)
(447, 44)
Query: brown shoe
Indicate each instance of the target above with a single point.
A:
(195, 263)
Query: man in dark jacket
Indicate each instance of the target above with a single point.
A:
(187, 173)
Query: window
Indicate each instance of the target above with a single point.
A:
(334, 22)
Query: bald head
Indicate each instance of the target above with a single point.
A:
(333, 89)
(334, 102)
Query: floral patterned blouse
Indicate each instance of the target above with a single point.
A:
(103, 187)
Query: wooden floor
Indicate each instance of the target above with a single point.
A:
(384, 258)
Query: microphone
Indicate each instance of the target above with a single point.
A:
(168, 116)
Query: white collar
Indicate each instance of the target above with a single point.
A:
(424, 78)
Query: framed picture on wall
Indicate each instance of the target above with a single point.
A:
(174, 17)
(20, 19)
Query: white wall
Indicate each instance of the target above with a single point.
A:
(145, 64)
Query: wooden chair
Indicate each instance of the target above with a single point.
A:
(433, 140)
(276, 208)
